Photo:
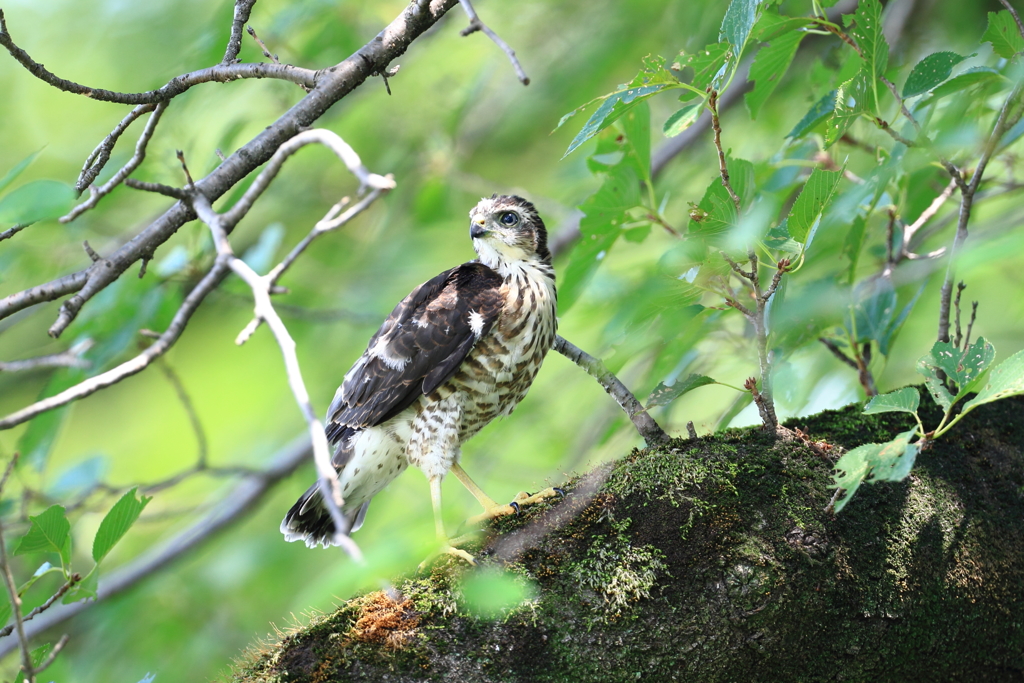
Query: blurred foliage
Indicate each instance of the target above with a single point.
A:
(459, 126)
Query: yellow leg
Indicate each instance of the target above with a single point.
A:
(492, 509)
(442, 535)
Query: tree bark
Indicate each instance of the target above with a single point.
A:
(713, 560)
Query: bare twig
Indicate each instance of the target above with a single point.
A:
(1009, 114)
(970, 325)
(136, 364)
(647, 426)
(125, 171)
(72, 358)
(13, 230)
(190, 410)
(50, 658)
(838, 352)
(75, 578)
(926, 215)
(233, 508)
(243, 8)
(99, 157)
(691, 430)
(329, 486)
(476, 25)
(717, 128)
(333, 84)
(158, 188)
(221, 73)
(960, 287)
(266, 53)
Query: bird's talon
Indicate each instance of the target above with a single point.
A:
(559, 491)
(515, 506)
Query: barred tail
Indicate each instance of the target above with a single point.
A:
(309, 520)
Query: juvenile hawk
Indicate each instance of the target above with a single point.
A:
(460, 350)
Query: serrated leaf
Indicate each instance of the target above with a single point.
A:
(936, 387)
(964, 367)
(117, 522)
(1004, 380)
(708, 66)
(39, 200)
(714, 216)
(814, 198)
(664, 394)
(874, 307)
(739, 20)
(1003, 33)
(636, 124)
(37, 656)
(969, 77)
(778, 238)
(852, 100)
(905, 400)
(614, 106)
(683, 119)
(822, 109)
(50, 532)
(874, 51)
(891, 461)
(16, 170)
(769, 67)
(930, 72)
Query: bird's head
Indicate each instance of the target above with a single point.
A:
(506, 229)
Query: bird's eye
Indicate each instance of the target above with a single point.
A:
(509, 218)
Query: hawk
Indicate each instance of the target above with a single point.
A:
(459, 351)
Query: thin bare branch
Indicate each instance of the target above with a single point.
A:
(717, 128)
(960, 287)
(263, 46)
(838, 352)
(99, 157)
(50, 658)
(910, 230)
(125, 171)
(75, 578)
(158, 188)
(1009, 114)
(476, 25)
(233, 508)
(329, 485)
(130, 367)
(243, 8)
(221, 73)
(646, 426)
(333, 84)
(72, 358)
(970, 325)
(190, 410)
(13, 230)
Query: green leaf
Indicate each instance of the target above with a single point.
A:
(708, 67)
(905, 400)
(117, 523)
(1003, 33)
(852, 98)
(874, 51)
(778, 238)
(964, 367)
(891, 461)
(769, 67)
(930, 72)
(714, 216)
(664, 394)
(874, 308)
(652, 79)
(39, 200)
(936, 386)
(44, 569)
(1005, 380)
(822, 109)
(969, 77)
(50, 532)
(814, 198)
(683, 119)
(37, 656)
(636, 124)
(739, 19)
(11, 175)
(5, 608)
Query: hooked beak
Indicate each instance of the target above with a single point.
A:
(476, 228)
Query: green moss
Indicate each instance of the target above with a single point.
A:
(713, 560)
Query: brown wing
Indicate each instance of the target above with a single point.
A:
(418, 347)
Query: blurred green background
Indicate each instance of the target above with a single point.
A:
(457, 126)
